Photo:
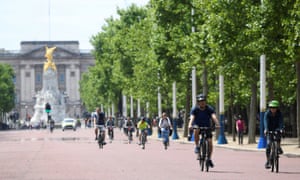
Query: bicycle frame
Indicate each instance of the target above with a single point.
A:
(144, 136)
(274, 137)
(101, 136)
(110, 133)
(129, 133)
(203, 155)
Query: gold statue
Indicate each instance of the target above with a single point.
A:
(49, 56)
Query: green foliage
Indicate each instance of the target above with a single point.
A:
(7, 88)
(154, 46)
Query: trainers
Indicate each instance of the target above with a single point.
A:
(197, 149)
(210, 163)
(267, 165)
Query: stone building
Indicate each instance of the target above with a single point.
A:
(28, 64)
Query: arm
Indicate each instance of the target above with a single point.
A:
(192, 118)
(169, 121)
(215, 119)
(266, 123)
(159, 123)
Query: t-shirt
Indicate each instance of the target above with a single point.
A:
(164, 123)
(100, 117)
(240, 125)
(202, 117)
(142, 125)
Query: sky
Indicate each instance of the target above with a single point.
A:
(55, 20)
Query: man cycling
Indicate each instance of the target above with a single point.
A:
(273, 121)
(200, 116)
(142, 126)
(99, 120)
(110, 124)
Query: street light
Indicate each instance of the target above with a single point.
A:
(74, 111)
(26, 107)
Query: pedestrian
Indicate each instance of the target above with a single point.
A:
(240, 129)
(200, 116)
(273, 121)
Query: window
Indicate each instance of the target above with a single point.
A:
(72, 73)
(38, 78)
(27, 74)
(61, 78)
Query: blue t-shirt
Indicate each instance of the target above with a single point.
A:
(202, 117)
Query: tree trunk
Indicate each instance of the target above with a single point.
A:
(298, 100)
(204, 79)
(187, 108)
(253, 112)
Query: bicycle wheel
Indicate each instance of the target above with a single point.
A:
(202, 154)
(272, 156)
(276, 157)
(206, 155)
(143, 141)
(100, 140)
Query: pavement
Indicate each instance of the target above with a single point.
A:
(290, 146)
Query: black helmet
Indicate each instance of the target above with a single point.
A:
(201, 97)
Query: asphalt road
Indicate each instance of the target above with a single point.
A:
(40, 155)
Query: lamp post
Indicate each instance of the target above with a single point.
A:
(26, 116)
(74, 111)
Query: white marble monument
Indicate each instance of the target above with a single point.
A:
(49, 94)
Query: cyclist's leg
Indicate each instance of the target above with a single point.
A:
(140, 135)
(196, 137)
(96, 133)
(268, 151)
(210, 145)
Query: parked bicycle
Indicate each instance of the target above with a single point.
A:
(275, 137)
(203, 155)
(101, 135)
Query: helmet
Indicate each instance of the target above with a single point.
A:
(201, 97)
(274, 103)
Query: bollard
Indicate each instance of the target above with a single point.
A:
(175, 135)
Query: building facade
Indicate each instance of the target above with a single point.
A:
(28, 63)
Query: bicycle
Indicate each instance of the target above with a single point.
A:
(165, 134)
(274, 137)
(203, 155)
(101, 135)
(110, 133)
(129, 134)
(143, 138)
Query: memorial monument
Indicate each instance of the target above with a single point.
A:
(49, 94)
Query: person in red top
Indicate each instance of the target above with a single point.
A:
(240, 128)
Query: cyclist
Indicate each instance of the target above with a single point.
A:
(165, 126)
(129, 125)
(273, 120)
(99, 120)
(142, 126)
(200, 116)
(110, 125)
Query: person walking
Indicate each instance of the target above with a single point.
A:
(240, 129)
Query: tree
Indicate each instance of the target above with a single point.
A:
(7, 88)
